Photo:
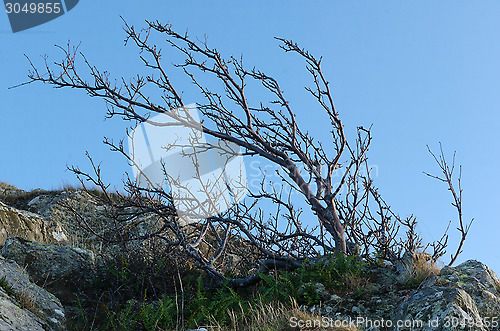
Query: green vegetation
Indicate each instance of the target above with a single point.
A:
(6, 286)
(130, 299)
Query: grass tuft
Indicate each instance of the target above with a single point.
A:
(23, 298)
(419, 271)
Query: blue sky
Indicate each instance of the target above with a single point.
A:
(420, 73)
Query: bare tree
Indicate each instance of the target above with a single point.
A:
(349, 211)
(447, 172)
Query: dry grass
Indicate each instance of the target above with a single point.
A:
(420, 270)
(277, 316)
(24, 298)
(27, 301)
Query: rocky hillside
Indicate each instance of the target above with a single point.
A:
(57, 275)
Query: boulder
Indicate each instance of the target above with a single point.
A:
(62, 270)
(433, 308)
(478, 280)
(465, 297)
(27, 225)
(24, 305)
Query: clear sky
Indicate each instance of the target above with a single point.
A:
(421, 73)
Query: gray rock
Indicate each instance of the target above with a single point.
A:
(479, 281)
(335, 297)
(384, 276)
(465, 296)
(442, 304)
(62, 270)
(60, 207)
(13, 317)
(27, 225)
(24, 305)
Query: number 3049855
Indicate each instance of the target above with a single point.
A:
(33, 8)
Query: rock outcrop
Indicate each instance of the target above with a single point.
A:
(24, 305)
(52, 206)
(62, 270)
(465, 297)
(58, 208)
(27, 225)
(39, 269)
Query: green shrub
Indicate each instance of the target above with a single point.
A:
(199, 303)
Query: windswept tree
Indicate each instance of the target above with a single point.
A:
(352, 217)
